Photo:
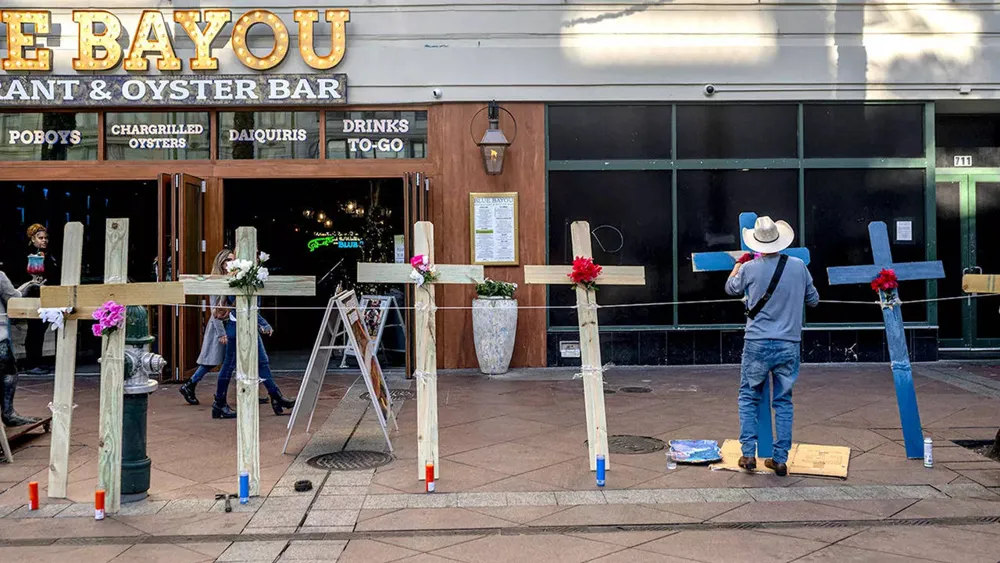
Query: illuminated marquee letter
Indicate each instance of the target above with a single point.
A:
(18, 41)
(338, 32)
(151, 21)
(243, 51)
(90, 40)
(217, 19)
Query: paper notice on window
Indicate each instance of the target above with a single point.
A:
(904, 231)
(400, 248)
(494, 228)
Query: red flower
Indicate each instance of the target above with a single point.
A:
(885, 281)
(584, 272)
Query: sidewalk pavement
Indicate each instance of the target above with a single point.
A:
(515, 485)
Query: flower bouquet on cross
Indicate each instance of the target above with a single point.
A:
(110, 317)
(585, 272)
(886, 284)
(423, 271)
(247, 275)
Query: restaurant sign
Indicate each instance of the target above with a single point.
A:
(101, 52)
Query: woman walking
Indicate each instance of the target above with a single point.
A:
(220, 408)
(42, 265)
(213, 345)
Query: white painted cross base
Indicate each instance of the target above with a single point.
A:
(425, 334)
(590, 340)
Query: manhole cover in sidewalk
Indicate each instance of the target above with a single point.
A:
(351, 460)
(635, 389)
(396, 394)
(627, 444)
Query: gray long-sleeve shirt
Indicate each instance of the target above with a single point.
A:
(7, 291)
(781, 317)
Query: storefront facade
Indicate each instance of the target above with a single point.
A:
(332, 128)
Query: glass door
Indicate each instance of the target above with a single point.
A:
(968, 208)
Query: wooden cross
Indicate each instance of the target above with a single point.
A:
(84, 300)
(425, 333)
(247, 379)
(590, 341)
(724, 261)
(902, 374)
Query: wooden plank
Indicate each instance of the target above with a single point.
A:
(154, 293)
(902, 377)
(610, 275)
(905, 271)
(247, 413)
(112, 373)
(62, 394)
(372, 272)
(724, 261)
(973, 283)
(590, 355)
(285, 286)
(5, 445)
(426, 364)
(27, 308)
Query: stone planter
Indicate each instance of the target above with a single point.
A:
(494, 325)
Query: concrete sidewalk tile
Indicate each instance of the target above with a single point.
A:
(273, 518)
(628, 496)
(188, 506)
(141, 508)
(916, 491)
(531, 499)
(823, 493)
(324, 529)
(332, 517)
(285, 503)
(253, 551)
(251, 530)
(580, 497)
(968, 490)
(725, 495)
(376, 502)
(441, 500)
(6, 509)
(771, 494)
(371, 551)
(480, 499)
(78, 510)
(252, 505)
(870, 492)
(44, 511)
(339, 502)
(350, 478)
(318, 550)
(666, 496)
(334, 490)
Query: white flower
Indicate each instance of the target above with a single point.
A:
(264, 257)
(262, 274)
(426, 260)
(54, 315)
(417, 277)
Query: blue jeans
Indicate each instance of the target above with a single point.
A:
(780, 358)
(229, 366)
(200, 373)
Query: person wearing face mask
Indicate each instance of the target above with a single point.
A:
(8, 365)
(42, 266)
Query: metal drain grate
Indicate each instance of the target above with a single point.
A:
(635, 389)
(396, 394)
(627, 444)
(353, 460)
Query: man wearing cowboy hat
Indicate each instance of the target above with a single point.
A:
(776, 287)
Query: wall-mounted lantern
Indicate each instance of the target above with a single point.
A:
(494, 143)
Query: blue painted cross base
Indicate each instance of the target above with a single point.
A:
(723, 262)
(902, 373)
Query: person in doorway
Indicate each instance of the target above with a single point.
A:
(220, 408)
(776, 287)
(42, 266)
(213, 345)
(8, 365)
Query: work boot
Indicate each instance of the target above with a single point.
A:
(187, 391)
(278, 403)
(780, 469)
(8, 415)
(748, 463)
(220, 409)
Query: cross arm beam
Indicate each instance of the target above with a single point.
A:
(906, 271)
(975, 283)
(285, 286)
(162, 293)
(610, 275)
(725, 260)
(373, 272)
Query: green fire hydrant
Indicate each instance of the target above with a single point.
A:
(140, 364)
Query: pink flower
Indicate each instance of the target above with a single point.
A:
(417, 260)
(97, 329)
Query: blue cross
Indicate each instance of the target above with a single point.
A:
(902, 374)
(723, 262)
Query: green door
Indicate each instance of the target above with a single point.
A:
(968, 213)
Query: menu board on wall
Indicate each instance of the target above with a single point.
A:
(493, 218)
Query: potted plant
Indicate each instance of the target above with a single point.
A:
(494, 324)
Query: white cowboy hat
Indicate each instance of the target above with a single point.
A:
(768, 237)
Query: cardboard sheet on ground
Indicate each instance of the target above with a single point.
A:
(803, 459)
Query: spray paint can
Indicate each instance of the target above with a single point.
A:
(99, 504)
(244, 486)
(600, 470)
(928, 452)
(33, 495)
(429, 477)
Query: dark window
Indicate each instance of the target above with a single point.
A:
(612, 132)
(268, 134)
(863, 131)
(48, 136)
(977, 136)
(629, 215)
(376, 134)
(839, 206)
(157, 136)
(737, 131)
(709, 203)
